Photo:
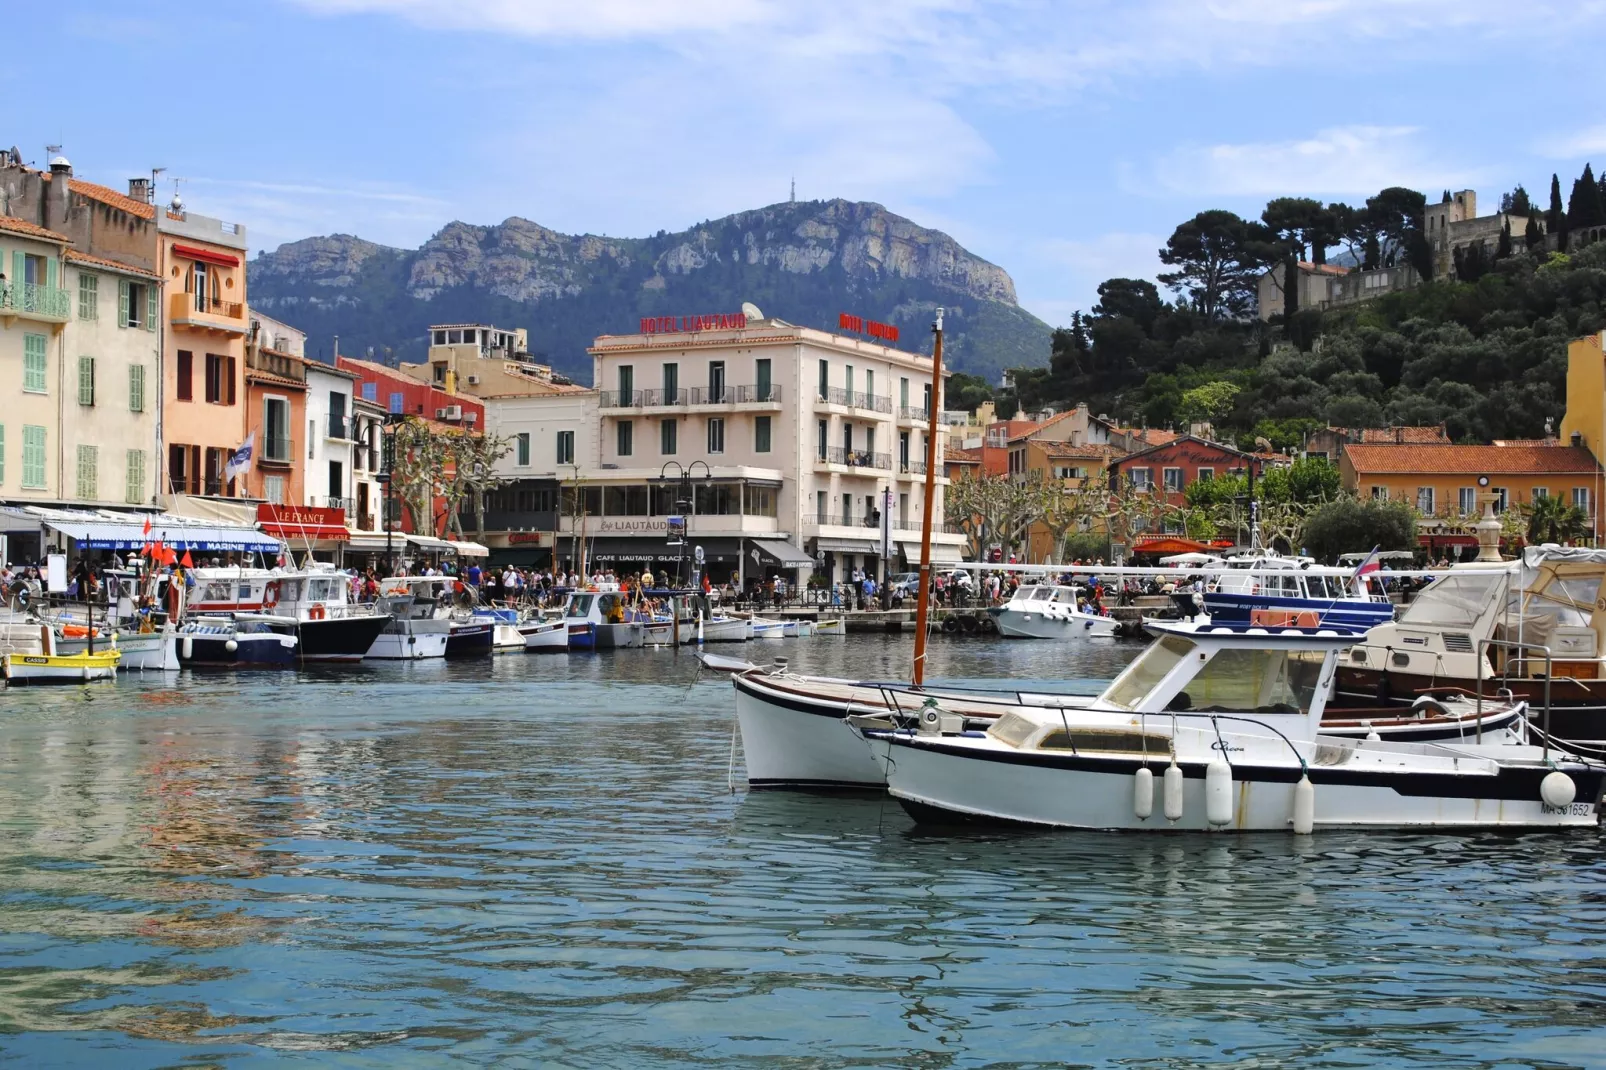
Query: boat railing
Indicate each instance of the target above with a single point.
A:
(1513, 644)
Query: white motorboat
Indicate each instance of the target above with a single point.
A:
(414, 632)
(1219, 728)
(545, 636)
(599, 620)
(724, 630)
(1043, 611)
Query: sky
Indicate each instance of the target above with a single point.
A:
(1060, 139)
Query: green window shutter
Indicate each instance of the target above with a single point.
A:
(87, 481)
(136, 388)
(122, 302)
(33, 457)
(34, 376)
(150, 306)
(52, 271)
(19, 274)
(134, 490)
(86, 380)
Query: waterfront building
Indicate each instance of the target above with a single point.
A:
(1167, 470)
(275, 408)
(554, 444)
(201, 260)
(483, 361)
(1445, 482)
(332, 436)
(81, 412)
(782, 446)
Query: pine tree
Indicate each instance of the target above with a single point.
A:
(1555, 218)
(1533, 235)
(1584, 207)
(1503, 249)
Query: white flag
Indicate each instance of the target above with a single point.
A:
(240, 460)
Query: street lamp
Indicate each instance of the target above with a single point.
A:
(686, 499)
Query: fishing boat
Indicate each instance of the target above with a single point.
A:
(1533, 628)
(412, 631)
(597, 621)
(316, 607)
(831, 626)
(1049, 611)
(237, 641)
(1269, 589)
(724, 630)
(1228, 721)
(451, 601)
(28, 655)
(545, 636)
(758, 628)
(155, 649)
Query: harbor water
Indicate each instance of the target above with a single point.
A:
(539, 861)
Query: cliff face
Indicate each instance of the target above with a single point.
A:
(803, 263)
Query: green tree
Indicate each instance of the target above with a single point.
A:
(1553, 520)
(1584, 207)
(1503, 248)
(1555, 217)
(1216, 264)
(1516, 202)
(1396, 216)
(1292, 222)
(1211, 401)
(1533, 235)
(967, 392)
(1349, 525)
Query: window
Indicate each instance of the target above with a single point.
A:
(220, 380)
(1467, 500)
(370, 391)
(825, 379)
(34, 376)
(1541, 493)
(761, 435)
(1581, 498)
(198, 285)
(136, 305)
(847, 442)
(1173, 480)
(1380, 494)
(926, 399)
(134, 477)
(565, 447)
(869, 387)
(762, 366)
(521, 443)
(626, 437)
(627, 384)
(903, 451)
(398, 402)
(903, 393)
(33, 457)
(847, 508)
(438, 338)
(1017, 461)
(88, 296)
(337, 416)
(671, 384)
(86, 381)
(668, 437)
(819, 506)
(847, 380)
(273, 489)
(1424, 500)
(276, 429)
(903, 509)
(136, 388)
(825, 436)
(1207, 473)
(440, 372)
(1502, 498)
(716, 381)
(760, 501)
(1141, 478)
(716, 434)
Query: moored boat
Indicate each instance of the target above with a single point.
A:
(1049, 611)
(235, 642)
(42, 668)
(545, 636)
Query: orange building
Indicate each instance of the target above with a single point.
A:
(202, 262)
(275, 404)
(1444, 481)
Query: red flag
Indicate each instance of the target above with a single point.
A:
(147, 530)
(187, 563)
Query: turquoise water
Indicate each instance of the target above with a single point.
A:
(537, 861)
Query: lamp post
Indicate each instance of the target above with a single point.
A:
(684, 498)
(387, 480)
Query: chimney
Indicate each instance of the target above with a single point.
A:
(1577, 439)
(58, 196)
(139, 189)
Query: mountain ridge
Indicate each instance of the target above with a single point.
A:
(804, 262)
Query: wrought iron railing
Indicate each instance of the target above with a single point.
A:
(663, 399)
(617, 399)
(909, 412)
(858, 458)
(873, 402)
(32, 297)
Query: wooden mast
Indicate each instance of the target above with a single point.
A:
(933, 418)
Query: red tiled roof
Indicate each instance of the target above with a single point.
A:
(1064, 451)
(33, 230)
(963, 456)
(75, 257)
(1446, 459)
(1149, 436)
(1420, 434)
(269, 377)
(111, 198)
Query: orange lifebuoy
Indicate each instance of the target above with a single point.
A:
(315, 611)
(270, 594)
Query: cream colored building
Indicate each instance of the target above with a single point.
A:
(482, 361)
(34, 311)
(788, 442)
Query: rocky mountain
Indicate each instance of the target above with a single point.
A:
(803, 262)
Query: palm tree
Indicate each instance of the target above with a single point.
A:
(1553, 520)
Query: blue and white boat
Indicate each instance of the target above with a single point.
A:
(241, 643)
(1270, 590)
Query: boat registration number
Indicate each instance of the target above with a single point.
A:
(1577, 809)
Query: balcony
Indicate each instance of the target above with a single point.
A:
(32, 301)
(663, 399)
(871, 403)
(912, 468)
(910, 415)
(834, 395)
(285, 367)
(339, 429)
(615, 399)
(203, 313)
(347, 504)
(856, 458)
(768, 394)
(278, 451)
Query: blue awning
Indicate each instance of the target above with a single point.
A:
(119, 535)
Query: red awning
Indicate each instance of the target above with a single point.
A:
(295, 533)
(1168, 544)
(197, 253)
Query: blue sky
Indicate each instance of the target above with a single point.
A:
(1061, 140)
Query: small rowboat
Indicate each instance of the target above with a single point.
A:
(59, 668)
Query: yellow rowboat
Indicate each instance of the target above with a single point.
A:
(59, 668)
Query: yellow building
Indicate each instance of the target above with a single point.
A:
(1584, 422)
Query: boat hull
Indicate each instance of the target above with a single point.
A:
(1015, 624)
(1577, 707)
(1236, 607)
(410, 640)
(58, 668)
(725, 630)
(474, 639)
(790, 741)
(943, 783)
(620, 636)
(548, 637)
(251, 649)
(339, 638)
(141, 651)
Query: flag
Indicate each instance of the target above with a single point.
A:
(240, 460)
(147, 530)
(187, 563)
(1369, 564)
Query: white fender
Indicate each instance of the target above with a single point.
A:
(1304, 806)
(1173, 791)
(1218, 792)
(1143, 793)
(1557, 790)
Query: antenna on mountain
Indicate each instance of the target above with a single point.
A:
(794, 192)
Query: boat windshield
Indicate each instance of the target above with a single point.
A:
(1042, 594)
(1453, 600)
(1253, 680)
(1151, 666)
(580, 605)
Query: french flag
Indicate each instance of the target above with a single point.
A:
(1370, 564)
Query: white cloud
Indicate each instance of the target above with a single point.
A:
(1574, 146)
(1075, 267)
(1344, 159)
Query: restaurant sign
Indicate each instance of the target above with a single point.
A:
(291, 516)
(859, 325)
(723, 321)
(634, 527)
